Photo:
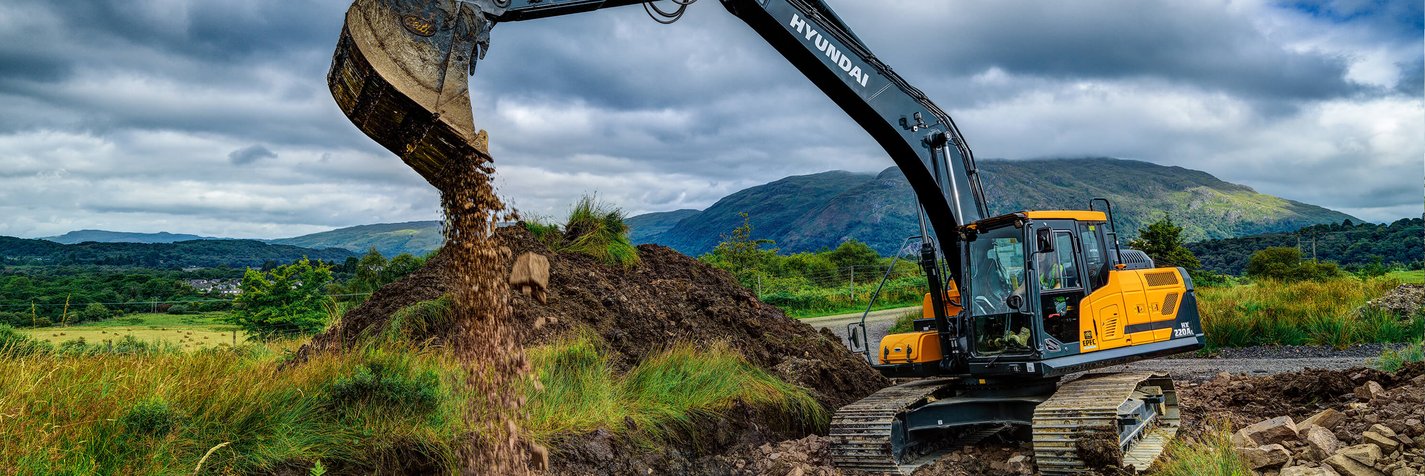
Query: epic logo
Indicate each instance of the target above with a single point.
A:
(841, 60)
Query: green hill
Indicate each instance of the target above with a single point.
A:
(182, 254)
(105, 236)
(648, 226)
(391, 239)
(811, 212)
(1348, 244)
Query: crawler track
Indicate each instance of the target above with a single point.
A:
(861, 432)
(1126, 416)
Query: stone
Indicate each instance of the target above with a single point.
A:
(1274, 430)
(797, 471)
(531, 276)
(1350, 467)
(1405, 440)
(1322, 442)
(1382, 430)
(1327, 418)
(1306, 471)
(1265, 456)
(1404, 472)
(1386, 443)
(1370, 391)
(1241, 440)
(1365, 453)
(1019, 464)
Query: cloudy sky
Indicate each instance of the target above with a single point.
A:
(212, 117)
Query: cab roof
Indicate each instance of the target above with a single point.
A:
(1077, 215)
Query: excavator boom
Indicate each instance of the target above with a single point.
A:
(1040, 299)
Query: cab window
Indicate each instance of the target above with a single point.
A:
(1095, 258)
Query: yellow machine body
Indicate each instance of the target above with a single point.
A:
(1135, 307)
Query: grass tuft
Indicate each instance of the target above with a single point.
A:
(1393, 359)
(664, 396)
(597, 229)
(1211, 455)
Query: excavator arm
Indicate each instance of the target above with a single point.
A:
(400, 75)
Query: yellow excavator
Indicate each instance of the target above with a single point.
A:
(1019, 307)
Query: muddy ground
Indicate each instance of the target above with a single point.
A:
(670, 298)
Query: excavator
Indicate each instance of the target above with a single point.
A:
(1020, 306)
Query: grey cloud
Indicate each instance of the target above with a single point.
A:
(250, 154)
(660, 117)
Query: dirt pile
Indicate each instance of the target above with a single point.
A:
(1404, 301)
(638, 312)
(1354, 422)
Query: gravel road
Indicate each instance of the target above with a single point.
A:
(1250, 360)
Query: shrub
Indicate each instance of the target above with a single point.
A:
(179, 309)
(151, 417)
(388, 383)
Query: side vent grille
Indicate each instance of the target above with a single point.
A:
(1170, 304)
(1168, 278)
(1110, 328)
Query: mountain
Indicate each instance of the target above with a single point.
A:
(182, 254)
(811, 212)
(773, 209)
(649, 225)
(105, 236)
(391, 239)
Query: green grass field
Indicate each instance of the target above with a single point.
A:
(1408, 277)
(187, 331)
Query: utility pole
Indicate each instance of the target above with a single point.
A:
(853, 284)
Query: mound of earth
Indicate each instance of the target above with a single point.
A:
(667, 298)
(1404, 301)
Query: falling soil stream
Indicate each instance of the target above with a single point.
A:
(481, 337)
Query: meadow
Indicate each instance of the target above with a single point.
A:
(186, 331)
(388, 407)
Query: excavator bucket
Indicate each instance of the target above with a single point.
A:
(400, 74)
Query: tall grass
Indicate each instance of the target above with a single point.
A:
(366, 411)
(665, 395)
(593, 228)
(1393, 359)
(1211, 455)
(1331, 312)
(160, 414)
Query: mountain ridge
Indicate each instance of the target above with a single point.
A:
(878, 208)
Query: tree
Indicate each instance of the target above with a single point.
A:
(93, 312)
(852, 253)
(1285, 263)
(1162, 240)
(288, 301)
(741, 255)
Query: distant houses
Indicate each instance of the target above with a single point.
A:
(226, 287)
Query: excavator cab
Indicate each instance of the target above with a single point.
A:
(1048, 293)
